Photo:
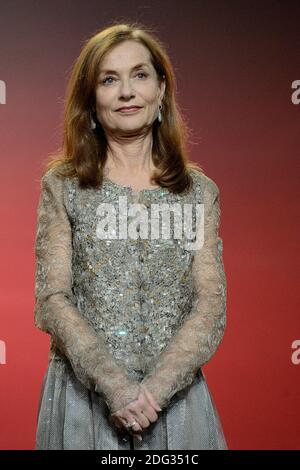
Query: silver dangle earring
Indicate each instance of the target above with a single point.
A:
(93, 124)
(159, 116)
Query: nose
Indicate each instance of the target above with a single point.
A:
(126, 90)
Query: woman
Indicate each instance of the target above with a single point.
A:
(131, 318)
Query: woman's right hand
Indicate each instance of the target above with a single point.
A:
(143, 411)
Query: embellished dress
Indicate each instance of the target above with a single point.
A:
(124, 306)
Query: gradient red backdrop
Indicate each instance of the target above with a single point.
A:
(235, 63)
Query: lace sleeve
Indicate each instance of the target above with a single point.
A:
(55, 312)
(197, 340)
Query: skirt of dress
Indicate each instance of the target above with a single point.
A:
(71, 417)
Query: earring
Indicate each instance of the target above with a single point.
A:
(159, 116)
(93, 124)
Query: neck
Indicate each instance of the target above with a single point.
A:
(128, 155)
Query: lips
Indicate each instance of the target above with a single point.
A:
(127, 108)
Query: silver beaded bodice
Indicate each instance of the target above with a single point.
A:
(136, 291)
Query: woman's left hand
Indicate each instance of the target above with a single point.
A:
(142, 411)
(115, 421)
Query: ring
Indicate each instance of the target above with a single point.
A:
(130, 425)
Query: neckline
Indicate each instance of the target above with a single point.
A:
(158, 188)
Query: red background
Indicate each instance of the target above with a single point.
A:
(235, 63)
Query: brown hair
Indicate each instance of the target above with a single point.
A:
(84, 150)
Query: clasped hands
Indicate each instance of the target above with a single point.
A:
(142, 411)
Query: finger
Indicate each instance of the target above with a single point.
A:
(140, 413)
(127, 419)
(150, 398)
(143, 411)
(124, 417)
(137, 436)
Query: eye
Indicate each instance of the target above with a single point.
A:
(142, 73)
(107, 78)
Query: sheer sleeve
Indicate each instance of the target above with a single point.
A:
(55, 312)
(198, 338)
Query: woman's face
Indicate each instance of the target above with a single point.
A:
(123, 81)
